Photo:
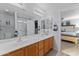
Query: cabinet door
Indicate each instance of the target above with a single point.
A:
(37, 49)
(51, 43)
(19, 52)
(46, 46)
(32, 50)
(41, 48)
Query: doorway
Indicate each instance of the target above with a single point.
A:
(36, 26)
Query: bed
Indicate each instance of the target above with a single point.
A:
(70, 33)
(70, 36)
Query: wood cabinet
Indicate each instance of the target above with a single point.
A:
(37, 49)
(48, 45)
(19, 52)
(51, 40)
(32, 50)
(41, 48)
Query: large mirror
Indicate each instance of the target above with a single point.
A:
(12, 25)
(21, 26)
(46, 25)
(7, 24)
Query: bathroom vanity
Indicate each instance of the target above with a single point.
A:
(38, 47)
(20, 36)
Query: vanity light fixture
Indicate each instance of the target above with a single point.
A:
(35, 12)
(40, 11)
(39, 14)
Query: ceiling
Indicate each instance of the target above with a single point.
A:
(36, 10)
(61, 6)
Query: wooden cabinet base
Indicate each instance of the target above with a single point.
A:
(48, 45)
(41, 48)
(32, 50)
(19, 52)
(37, 49)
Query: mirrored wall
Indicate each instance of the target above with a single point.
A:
(12, 25)
(7, 24)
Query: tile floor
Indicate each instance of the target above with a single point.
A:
(56, 53)
(64, 45)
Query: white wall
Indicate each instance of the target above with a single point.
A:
(57, 34)
(7, 31)
(70, 13)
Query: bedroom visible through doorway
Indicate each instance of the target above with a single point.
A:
(70, 32)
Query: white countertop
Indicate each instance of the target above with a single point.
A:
(10, 45)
